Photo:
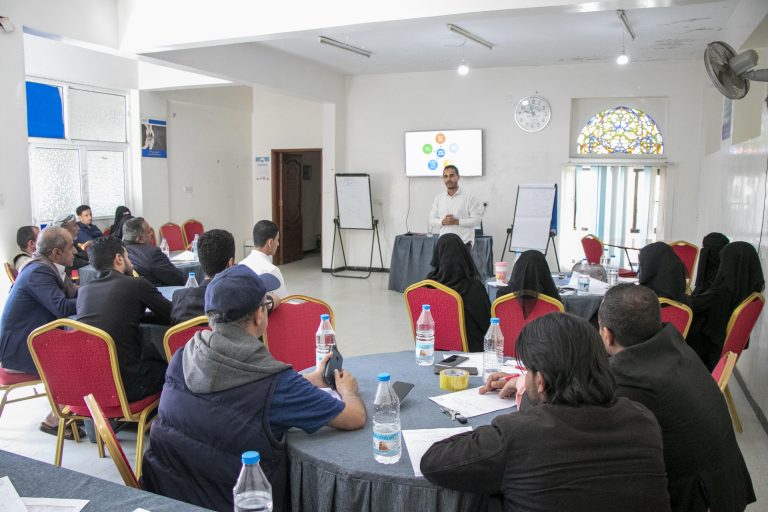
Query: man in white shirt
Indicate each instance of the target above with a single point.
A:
(456, 211)
(266, 239)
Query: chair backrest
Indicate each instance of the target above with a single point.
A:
(593, 249)
(743, 319)
(192, 227)
(107, 232)
(688, 254)
(152, 237)
(74, 360)
(172, 234)
(509, 310)
(677, 314)
(110, 439)
(290, 334)
(447, 309)
(724, 369)
(178, 335)
(11, 271)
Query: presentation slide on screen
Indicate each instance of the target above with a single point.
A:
(426, 153)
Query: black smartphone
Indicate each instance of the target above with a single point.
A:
(334, 363)
(402, 389)
(452, 360)
(470, 369)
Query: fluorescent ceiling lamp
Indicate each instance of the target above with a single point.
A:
(345, 46)
(624, 21)
(470, 35)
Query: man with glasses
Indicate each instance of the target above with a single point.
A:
(224, 394)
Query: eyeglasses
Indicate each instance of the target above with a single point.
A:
(268, 304)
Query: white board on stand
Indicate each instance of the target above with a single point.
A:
(353, 197)
(533, 217)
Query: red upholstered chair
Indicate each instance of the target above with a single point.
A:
(107, 435)
(152, 237)
(107, 232)
(688, 254)
(10, 381)
(191, 228)
(677, 314)
(290, 334)
(743, 320)
(509, 310)
(74, 360)
(11, 271)
(172, 234)
(447, 312)
(724, 369)
(593, 251)
(178, 335)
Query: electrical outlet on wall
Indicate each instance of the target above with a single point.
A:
(187, 189)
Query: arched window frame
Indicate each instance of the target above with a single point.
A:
(620, 132)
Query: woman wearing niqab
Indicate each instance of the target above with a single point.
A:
(530, 277)
(662, 271)
(122, 214)
(709, 261)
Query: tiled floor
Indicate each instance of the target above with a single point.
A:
(369, 319)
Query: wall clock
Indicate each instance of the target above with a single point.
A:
(532, 113)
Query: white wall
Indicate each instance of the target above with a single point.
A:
(382, 107)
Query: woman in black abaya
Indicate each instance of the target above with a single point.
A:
(662, 271)
(530, 277)
(122, 214)
(738, 275)
(453, 267)
(709, 261)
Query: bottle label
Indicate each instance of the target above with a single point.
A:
(386, 444)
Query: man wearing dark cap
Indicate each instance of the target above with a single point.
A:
(224, 394)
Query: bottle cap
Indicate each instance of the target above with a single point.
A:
(495, 321)
(383, 377)
(325, 317)
(251, 457)
(426, 307)
(191, 274)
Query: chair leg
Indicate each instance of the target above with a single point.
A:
(3, 401)
(60, 441)
(140, 444)
(75, 430)
(99, 442)
(732, 409)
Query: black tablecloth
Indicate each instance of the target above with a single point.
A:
(33, 478)
(584, 306)
(412, 254)
(88, 273)
(335, 470)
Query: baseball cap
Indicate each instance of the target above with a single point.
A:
(237, 291)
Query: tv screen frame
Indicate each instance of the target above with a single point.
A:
(428, 151)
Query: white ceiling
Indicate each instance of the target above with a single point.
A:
(530, 38)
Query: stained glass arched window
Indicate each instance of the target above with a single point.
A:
(621, 130)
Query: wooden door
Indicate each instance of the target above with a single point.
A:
(290, 220)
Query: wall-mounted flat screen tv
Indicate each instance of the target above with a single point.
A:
(426, 153)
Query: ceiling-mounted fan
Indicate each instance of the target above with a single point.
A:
(731, 72)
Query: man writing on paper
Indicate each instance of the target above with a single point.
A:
(575, 447)
(456, 211)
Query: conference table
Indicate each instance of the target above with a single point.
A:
(88, 273)
(412, 254)
(33, 478)
(335, 470)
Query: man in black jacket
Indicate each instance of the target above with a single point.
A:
(148, 260)
(575, 448)
(216, 251)
(116, 302)
(654, 365)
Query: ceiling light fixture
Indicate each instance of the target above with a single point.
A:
(345, 46)
(463, 69)
(623, 58)
(624, 21)
(470, 35)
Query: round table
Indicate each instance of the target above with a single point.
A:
(335, 470)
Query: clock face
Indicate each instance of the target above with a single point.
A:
(532, 113)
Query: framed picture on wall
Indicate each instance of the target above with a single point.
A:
(306, 172)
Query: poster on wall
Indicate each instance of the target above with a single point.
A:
(155, 143)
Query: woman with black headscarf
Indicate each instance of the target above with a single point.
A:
(453, 267)
(122, 214)
(530, 277)
(709, 261)
(662, 271)
(738, 275)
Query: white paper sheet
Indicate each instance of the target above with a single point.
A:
(596, 287)
(184, 256)
(419, 441)
(9, 498)
(331, 392)
(471, 403)
(53, 505)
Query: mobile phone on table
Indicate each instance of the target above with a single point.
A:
(334, 363)
(453, 360)
(402, 389)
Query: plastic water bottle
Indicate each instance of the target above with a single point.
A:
(493, 355)
(252, 492)
(386, 423)
(425, 337)
(325, 338)
(164, 247)
(191, 281)
(194, 245)
(613, 272)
